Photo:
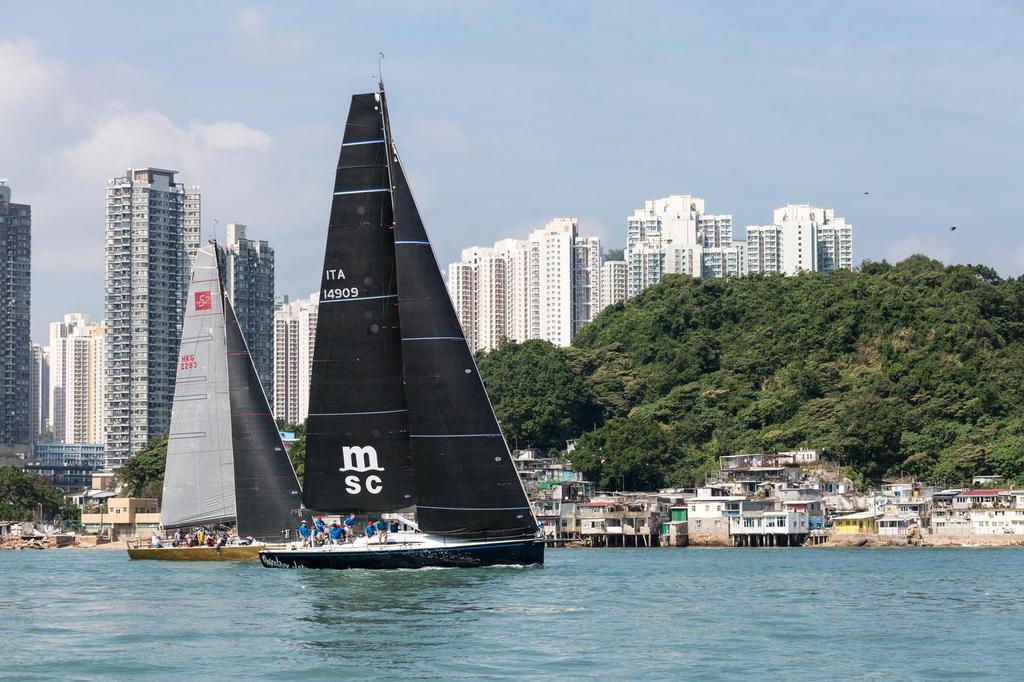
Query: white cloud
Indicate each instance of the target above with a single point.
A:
(231, 135)
(29, 80)
(66, 137)
(253, 35)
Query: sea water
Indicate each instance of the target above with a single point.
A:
(708, 614)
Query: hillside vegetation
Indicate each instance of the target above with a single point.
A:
(914, 368)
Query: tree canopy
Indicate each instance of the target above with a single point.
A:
(914, 368)
(143, 474)
(538, 394)
(21, 491)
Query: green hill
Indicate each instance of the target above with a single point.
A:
(913, 368)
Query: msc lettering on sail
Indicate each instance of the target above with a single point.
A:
(361, 458)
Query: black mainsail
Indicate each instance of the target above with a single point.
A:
(402, 388)
(267, 492)
(357, 445)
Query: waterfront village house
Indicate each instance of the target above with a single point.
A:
(943, 519)
(855, 524)
(812, 508)
(675, 531)
(709, 512)
(125, 517)
(898, 525)
(986, 498)
(621, 521)
(769, 528)
(1002, 519)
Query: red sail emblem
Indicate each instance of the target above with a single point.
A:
(203, 300)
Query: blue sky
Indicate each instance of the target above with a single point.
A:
(509, 114)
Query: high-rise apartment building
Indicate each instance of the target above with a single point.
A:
(544, 287)
(152, 230)
(801, 238)
(613, 282)
(675, 235)
(78, 357)
(462, 290)
(586, 281)
(248, 268)
(15, 306)
(294, 337)
(39, 392)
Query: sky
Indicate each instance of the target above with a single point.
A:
(510, 114)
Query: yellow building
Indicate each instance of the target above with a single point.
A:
(856, 524)
(125, 517)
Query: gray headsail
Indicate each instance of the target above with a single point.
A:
(199, 482)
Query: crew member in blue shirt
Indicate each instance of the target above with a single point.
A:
(335, 533)
(304, 532)
(369, 529)
(382, 530)
(350, 527)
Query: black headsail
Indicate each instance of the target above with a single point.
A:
(266, 489)
(357, 446)
(466, 482)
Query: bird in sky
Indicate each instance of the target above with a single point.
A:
(866, 193)
(952, 229)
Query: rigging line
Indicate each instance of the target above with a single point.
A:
(435, 338)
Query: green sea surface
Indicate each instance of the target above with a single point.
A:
(620, 614)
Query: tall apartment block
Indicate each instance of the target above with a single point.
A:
(77, 361)
(586, 281)
(613, 282)
(294, 335)
(676, 235)
(152, 231)
(15, 306)
(801, 238)
(39, 392)
(544, 287)
(248, 268)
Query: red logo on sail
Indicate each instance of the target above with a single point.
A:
(203, 300)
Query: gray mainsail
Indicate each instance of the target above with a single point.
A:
(199, 482)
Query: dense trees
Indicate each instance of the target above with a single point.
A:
(143, 474)
(539, 396)
(20, 492)
(914, 367)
